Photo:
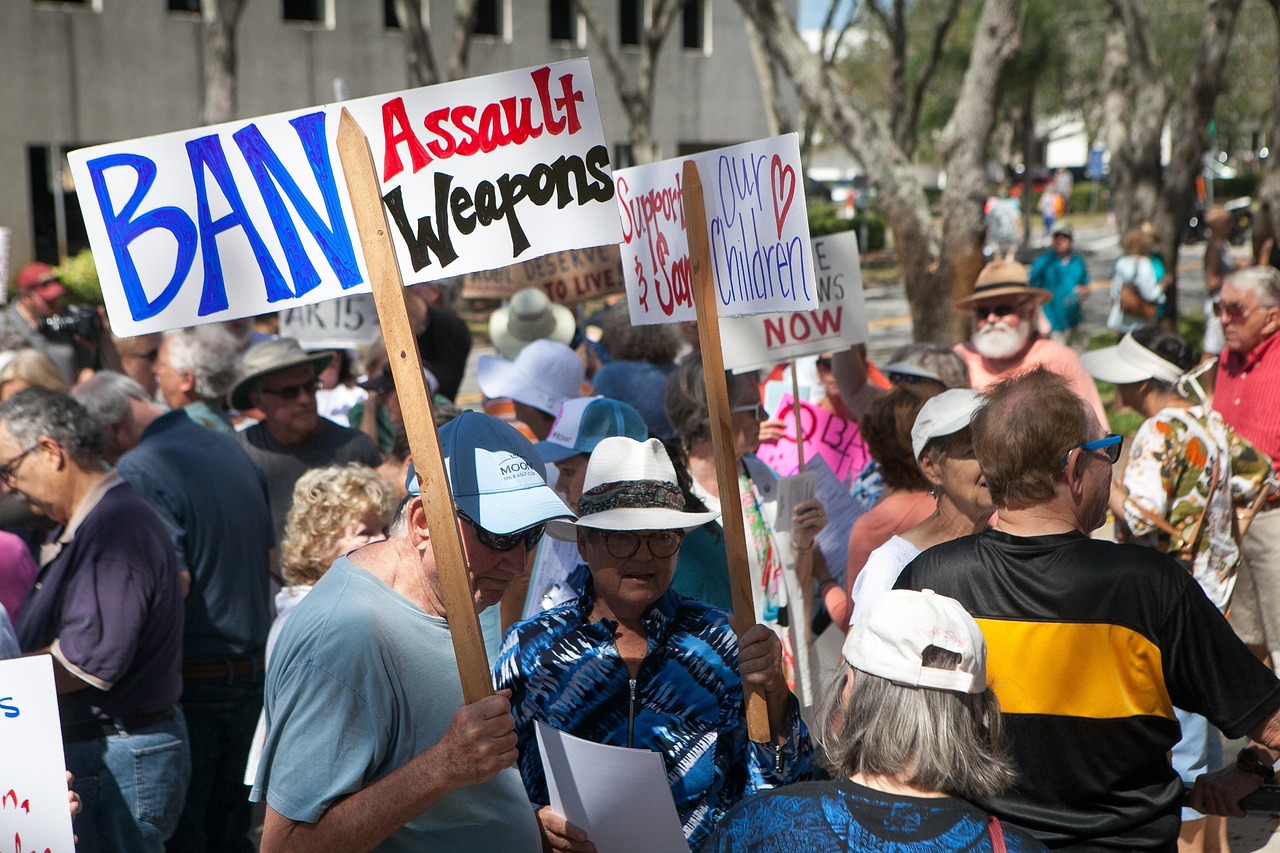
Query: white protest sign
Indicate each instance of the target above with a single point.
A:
(349, 322)
(756, 220)
(566, 277)
(253, 216)
(763, 340)
(5, 242)
(33, 792)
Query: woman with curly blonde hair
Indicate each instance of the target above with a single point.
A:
(335, 511)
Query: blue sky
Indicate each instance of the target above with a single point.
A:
(813, 11)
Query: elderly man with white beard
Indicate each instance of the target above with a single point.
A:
(1005, 341)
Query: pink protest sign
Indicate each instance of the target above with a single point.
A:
(836, 440)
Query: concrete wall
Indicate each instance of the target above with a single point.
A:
(105, 70)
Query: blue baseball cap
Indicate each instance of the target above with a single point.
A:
(495, 475)
(584, 422)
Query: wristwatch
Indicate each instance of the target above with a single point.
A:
(1252, 761)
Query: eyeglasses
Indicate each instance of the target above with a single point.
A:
(293, 392)
(1109, 446)
(8, 469)
(622, 544)
(1004, 309)
(757, 411)
(506, 541)
(1233, 311)
(907, 379)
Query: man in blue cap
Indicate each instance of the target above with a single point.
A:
(369, 745)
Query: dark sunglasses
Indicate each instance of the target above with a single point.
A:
(1004, 309)
(907, 379)
(293, 392)
(1109, 446)
(506, 541)
(622, 544)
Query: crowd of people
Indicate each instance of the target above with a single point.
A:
(219, 537)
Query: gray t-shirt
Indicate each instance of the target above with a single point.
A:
(361, 681)
(285, 463)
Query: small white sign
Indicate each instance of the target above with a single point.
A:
(34, 813)
(791, 491)
(350, 322)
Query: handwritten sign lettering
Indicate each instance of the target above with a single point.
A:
(253, 216)
(756, 220)
(349, 322)
(33, 792)
(836, 440)
(763, 340)
(566, 277)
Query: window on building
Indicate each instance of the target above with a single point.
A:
(564, 21)
(90, 5)
(630, 21)
(192, 6)
(491, 18)
(305, 11)
(57, 226)
(623, 156)
(695, 17)
(390, 19)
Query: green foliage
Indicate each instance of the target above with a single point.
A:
(79, 275)
(1246, 183)
(824, 218)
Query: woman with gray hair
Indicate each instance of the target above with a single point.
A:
(912, 729)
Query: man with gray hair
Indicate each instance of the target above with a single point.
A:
(203, 485)
(107, 606)
(194, 370)
(1247, 394)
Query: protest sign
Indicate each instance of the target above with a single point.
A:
(5, 242)
(757, 225)
(566, 277)
(33, 792)
(842, 511)
(349, 322)
(253, 216)
(763, 340)
(836, 440)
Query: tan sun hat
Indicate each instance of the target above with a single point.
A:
(272, 357)
(1003, 278)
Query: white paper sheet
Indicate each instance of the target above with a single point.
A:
(619, 796)
(791, 491)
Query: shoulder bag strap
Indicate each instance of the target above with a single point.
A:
(997, 834)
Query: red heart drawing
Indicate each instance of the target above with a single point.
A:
(783, 181)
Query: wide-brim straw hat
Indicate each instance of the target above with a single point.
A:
(629, 485)
(273, 357)
(1003, 278)
(529, 316)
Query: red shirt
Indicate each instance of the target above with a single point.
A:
(1247, 394)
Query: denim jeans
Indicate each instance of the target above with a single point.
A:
(221, 716)
(132, 787)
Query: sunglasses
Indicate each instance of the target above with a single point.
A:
(1109, 446)
(506, 541)
(1004, 309)
(293, 392)
(1233, 311)
(622, 544)
(907, 379)
(757, 411)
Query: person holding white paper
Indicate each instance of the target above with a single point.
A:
(632, 663)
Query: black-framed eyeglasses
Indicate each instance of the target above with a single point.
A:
(1109, 446)
(530, 536)
(293, 392)
(907, 379)
(8, 469)
(1003, 309)
(622, 544)
(757, 411)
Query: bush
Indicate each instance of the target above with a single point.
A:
(1225, 189)
(825, 219)
(79, 275)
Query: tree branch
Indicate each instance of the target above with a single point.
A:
(930, 66)
(465, 13)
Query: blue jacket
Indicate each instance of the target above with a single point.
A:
(1061, 279)
(686, 703)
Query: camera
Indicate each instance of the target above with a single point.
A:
(78, 320)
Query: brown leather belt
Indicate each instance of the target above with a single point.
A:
(226, 669)
(124, 724)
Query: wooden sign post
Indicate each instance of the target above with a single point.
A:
(424, 443)
(795, 410)
(720, 417)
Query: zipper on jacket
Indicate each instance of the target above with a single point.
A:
(631, 712)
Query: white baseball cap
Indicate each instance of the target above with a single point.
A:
(889, 641)
(947, 413)
(543, 375)
(586, 421)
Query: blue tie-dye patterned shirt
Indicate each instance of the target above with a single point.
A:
(833, 817)
(565, 670)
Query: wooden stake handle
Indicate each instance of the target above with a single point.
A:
(735, 537)
(795, 410)
(424, 443)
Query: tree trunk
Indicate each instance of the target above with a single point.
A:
(218, 22)
(1028, 157)
(778, 114)
(1269, 190)
(420, 57)
(964, 151)
(1191, 134)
